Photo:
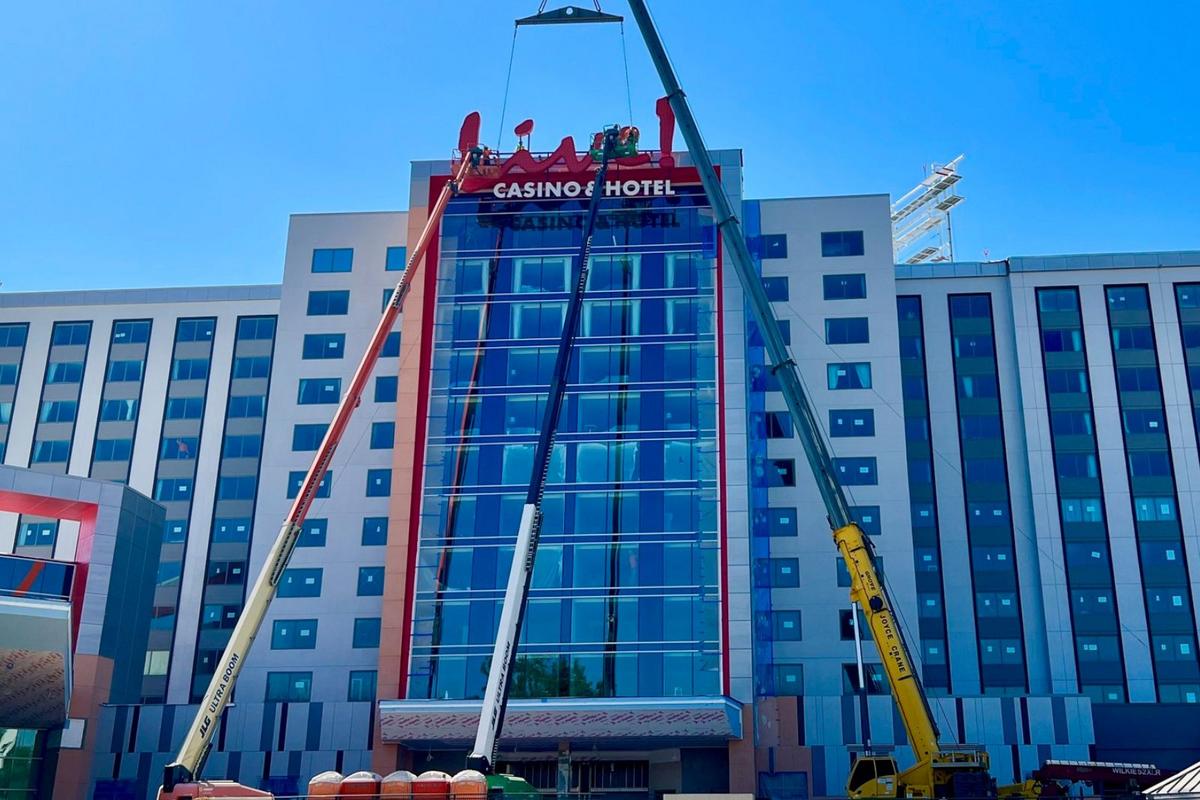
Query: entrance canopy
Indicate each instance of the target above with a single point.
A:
(619, 722)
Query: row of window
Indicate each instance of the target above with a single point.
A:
(341, 259)
(301, 634)
(296, 687)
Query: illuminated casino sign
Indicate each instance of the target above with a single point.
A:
(554, 189)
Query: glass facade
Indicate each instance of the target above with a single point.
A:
(1149, 465)
(624, 598)
(927, 553)
(227, 568)
(985, 487)
(174, 482)
(1086, 553)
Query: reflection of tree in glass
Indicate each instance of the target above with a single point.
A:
(541, 676)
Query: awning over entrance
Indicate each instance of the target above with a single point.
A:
(668, 719)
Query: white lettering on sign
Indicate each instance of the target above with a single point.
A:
(530, 190)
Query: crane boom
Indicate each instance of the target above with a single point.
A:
(504, 653)
(867, 587)
(185, 769)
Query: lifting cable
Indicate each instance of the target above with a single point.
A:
(625, 58)
(507, 84)
(512, 55)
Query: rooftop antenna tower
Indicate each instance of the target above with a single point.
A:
(921, 230)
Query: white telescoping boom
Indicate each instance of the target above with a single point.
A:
(180, 777)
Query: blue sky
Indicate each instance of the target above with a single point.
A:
(152, 143)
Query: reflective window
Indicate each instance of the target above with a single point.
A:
(339, 259)
(316, 391)
(835, 244)
(845, 287)
(294, 634)
(852, 375)
(324, 345)
(846, 330)
(396, 260)
(289, 687)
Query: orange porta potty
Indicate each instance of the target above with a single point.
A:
(360, 784)
(327, 784)
(469, 785)
(431, 785)
(397, 786)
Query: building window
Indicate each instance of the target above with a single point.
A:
(289, 687)
(836, 244)
(789, 680)
(119, 371)
(247, 406)
(776, 288)
(319, 391)
(847, 330)
(772, 425)
(300, 582)
(785, 626)
(780, 472)
(391, 345)
(113, 449)
(773, 245)
(313, 533)
(252, 367)
(383, 435)
(873, 673)
(178, 448)
(256, 328)
(339, 259)
(379, 482)
(366, 632)
(58, 411)
(294, 634)
(324, 345)
(185, 408)
(370, 581)
(111, 411)
(136, 331)
(868, 519)
(781, 522)
(849, 375)
(845, 287)
(777, 573)
(37, 534)
(15, 335)
(374, 531)
(385, 388)
(236, 487)
(328, 303)
(296, 479)
(235, 529)
(189, 369)
(397, 259)
(362, 683)
(846, 626)
(851, 422)
(195, 330)
(860, 471)
(70, 333)
(168, 489)
(307, 437)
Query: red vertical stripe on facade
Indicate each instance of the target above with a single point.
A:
(426, 362)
